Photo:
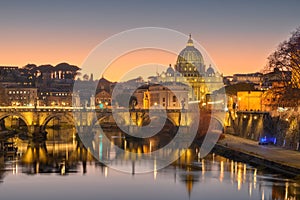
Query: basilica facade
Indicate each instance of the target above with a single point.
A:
(192, 70)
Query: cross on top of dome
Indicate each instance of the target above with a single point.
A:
(190, 41)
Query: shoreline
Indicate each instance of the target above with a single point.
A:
(266, 156)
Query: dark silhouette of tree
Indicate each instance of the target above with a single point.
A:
(284, 71)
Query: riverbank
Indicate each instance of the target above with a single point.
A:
(269, 156)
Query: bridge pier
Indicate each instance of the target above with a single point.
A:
(34, 130)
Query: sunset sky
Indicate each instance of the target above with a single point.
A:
(238, 35)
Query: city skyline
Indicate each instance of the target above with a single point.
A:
(239, 36)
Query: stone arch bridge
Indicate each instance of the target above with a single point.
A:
(36, 118)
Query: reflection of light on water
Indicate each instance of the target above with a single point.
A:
(15, 168)
(254, 178)
(231, 171)
(250, 189)
(235, 167)
(203, 167)
(155, 170)
(239, 178)
(245, 172)
(221, 171)
(112, 151)
(100, 149)
(213, 155)
(37, 166)
(263, 194)
(63, 169)
(139, 152)
(74, 138)
(286, 190)
(67, 151)
(105, 172)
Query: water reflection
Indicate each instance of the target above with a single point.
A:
(214, 175)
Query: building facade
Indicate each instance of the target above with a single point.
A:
(190, 69)
(169, 95)
(19, 96)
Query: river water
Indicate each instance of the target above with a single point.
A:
(62, 168)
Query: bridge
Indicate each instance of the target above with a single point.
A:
(37, 118)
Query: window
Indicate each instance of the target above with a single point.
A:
(164, 99)
(174, 98)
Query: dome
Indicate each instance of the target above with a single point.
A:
(170, 71)
(190, 61)
(210, 71)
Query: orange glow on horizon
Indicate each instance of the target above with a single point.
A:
(240, 57)
(144, 57)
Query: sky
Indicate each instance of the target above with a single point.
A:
(238, 35)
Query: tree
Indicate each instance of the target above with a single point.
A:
(284, 91)
(284, 63)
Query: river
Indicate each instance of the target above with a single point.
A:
(62, 168)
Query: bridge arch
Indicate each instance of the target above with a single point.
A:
(168, 120)
(19, 115)
(140, 121)
(68, 117)
(102, 119)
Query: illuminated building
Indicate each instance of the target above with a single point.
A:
(54, 98)
(190, 62)
(19, 96)
(169, 95)
(190, 68)
(44, 85)
(250, 100)
(102, 97)
(255, 78)
(103, 93)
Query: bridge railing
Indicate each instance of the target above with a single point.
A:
(78, 108)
